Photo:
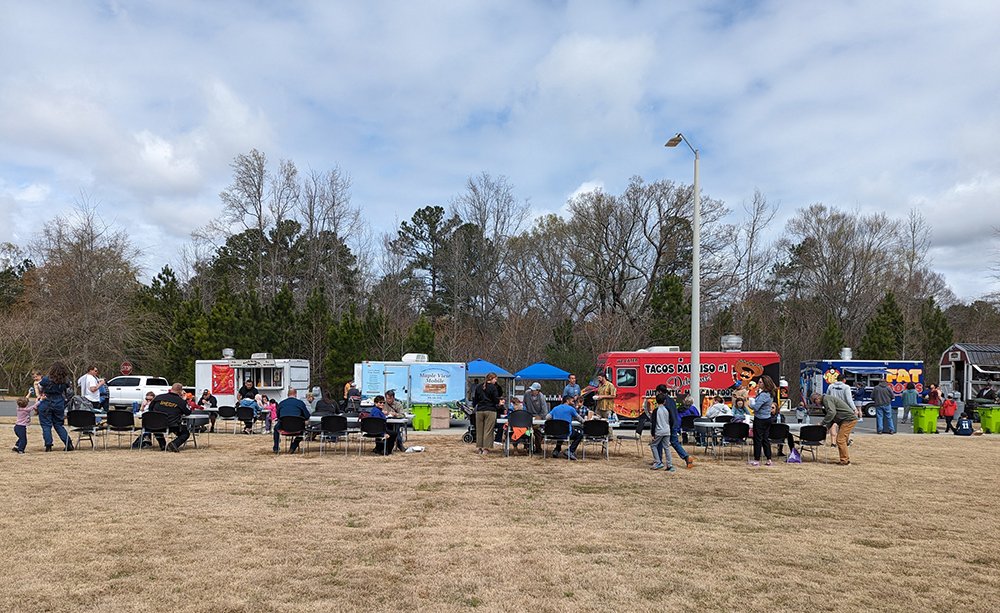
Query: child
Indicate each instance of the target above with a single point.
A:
(740, 410)
(947, 411)
(964, 425)
(802, 414)
(22, 421)
(661, 429)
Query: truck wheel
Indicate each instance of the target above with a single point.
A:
(869, 410)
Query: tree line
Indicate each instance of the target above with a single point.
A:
(290, 267)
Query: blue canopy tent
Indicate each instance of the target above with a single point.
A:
(540, 371)
(480, 368)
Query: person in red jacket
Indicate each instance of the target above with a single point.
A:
(947, 411)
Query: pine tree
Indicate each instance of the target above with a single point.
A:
(421, 338)
(832, 339)
(883, 337)
(936, 337)
(345, 347)
(670, 313)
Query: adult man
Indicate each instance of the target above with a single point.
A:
(175, 407)
(90, 387)
(909, 401)
(844, 415)
(882, 398)
(536, 405)
(353, 398)
(394, 408)
(987, 393)
(290, 407)
(571, 389)
(248, 390)
(604, 398)
(841, 390)
(566, 412)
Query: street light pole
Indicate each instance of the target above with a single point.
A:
(695, 275)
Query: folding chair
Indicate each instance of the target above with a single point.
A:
(518, 419)
(374, 428)
(554, 430)
(634, 435)
(120, 422)
(723, 419)
(228, 413)
(292, 426)
(687, 426)
(811, 437)
(332, 428)
(596, 431)
(84, 423)
(153, 423)
(244, 415)
(734, 433)
(778, 434)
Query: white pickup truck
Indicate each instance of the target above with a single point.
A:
(126, 389)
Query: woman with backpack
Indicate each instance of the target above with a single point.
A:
(51, 410)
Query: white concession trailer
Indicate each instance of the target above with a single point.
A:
(272, 376)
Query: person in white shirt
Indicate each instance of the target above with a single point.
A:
(719, 408)
(90, 386)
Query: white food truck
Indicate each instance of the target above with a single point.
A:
(271, 376)
(415, 380)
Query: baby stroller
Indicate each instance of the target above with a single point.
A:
(470, 414)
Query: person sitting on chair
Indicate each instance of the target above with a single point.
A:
(290, 407)
(174, 406)
(384, 445)
(566, 412)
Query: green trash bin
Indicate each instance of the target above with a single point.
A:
(989, 419)
(421, 416)
(925, 417)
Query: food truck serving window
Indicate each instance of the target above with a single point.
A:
(263, 377)
(625, 377)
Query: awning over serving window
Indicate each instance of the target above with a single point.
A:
(989, 369)
(865, 371)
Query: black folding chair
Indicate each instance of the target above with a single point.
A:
(723, 419)
(120, 422)
(246, 415)
(734, 433)
(84, 423)
(291, 427)
(554, 430)
(332, 428)
(374, 428)
(153, 423)
(228, 413)
(518, 419)
(596, 431)
(687, 426)
(811, 437)
(778, 434)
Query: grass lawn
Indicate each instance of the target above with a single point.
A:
(912, 525)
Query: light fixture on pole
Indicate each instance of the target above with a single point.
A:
(695, 276)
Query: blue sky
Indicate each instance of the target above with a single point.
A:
(886, 106)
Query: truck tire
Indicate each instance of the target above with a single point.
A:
(869, 409)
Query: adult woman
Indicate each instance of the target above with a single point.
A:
(762, 406)
(51, 409)
(488, 399)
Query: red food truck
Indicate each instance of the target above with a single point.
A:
(637, 373)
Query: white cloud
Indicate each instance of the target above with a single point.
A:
(145, 105)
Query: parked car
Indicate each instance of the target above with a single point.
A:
(126, 389)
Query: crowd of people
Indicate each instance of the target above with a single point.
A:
(51, 393)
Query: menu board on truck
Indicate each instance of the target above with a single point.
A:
(434, 383)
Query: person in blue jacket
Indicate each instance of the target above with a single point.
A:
(51, 410)
(290, 407)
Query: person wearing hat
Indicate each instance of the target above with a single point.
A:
(947, 411)
(536, 405)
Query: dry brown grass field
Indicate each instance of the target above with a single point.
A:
(911, 526)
